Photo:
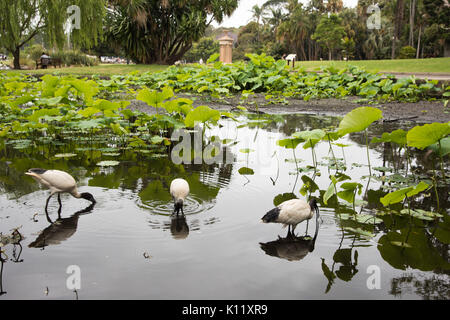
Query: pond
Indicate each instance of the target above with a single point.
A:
(129, 246)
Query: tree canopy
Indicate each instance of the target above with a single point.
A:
(162, 31)
(329, 33)
(22, 20)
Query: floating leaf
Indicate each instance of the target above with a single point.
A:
(65, 155)
(401, 244)
(360, 231)
(108, 163)
(246, 171)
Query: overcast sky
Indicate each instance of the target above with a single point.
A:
(243, 15)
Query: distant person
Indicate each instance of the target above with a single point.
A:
(284, 56)
(45, 60)
(201, 61)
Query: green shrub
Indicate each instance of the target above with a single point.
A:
(407, 52)
(34, 52)
(202, 50)
(74, 58)
(27, 63)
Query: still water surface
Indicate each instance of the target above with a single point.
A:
(130, 247)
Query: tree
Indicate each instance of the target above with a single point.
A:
(22, 20)
(205, 48)
(257, 13)
(162, 31)
(335, 6)
(329, 33)
(398, 22)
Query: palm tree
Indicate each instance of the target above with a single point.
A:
(275, 19)
(258, 13)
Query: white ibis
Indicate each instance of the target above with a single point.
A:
(179, 189)
(292, 212)
(58, 182)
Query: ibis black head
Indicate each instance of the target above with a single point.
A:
(178, 205)
(313, 204)
(88, 196)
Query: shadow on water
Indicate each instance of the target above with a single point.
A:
(60, 230)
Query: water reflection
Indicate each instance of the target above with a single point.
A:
(179, 227)
(60, 230)
(2, 261)
(15, 238)
(221, 210)
(291, 248)
(346, 260)
(435, 287)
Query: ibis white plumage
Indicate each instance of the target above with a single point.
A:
(58, 182)
(292, 212)
(179, 190)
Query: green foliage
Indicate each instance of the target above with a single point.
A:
(423, 136)
(201, 114)
(359, 119)
(264, 74)
(407, 52)
(329, 33)
(203, 49)
(149, 32)
(74, 58)
(399, 195)
(22, 20)
(398, 136)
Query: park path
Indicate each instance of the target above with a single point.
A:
(419, 75)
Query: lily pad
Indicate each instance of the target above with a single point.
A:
(108, 163)
(65, 155)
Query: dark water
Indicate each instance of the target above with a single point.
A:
(129, 247)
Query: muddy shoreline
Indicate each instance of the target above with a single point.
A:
(422, 112)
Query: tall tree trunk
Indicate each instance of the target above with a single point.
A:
(397, 25)
(412, 14)
(418, 42)
(329, 53)
(16, 55)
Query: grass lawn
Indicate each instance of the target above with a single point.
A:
(435, 65)
(102, 69)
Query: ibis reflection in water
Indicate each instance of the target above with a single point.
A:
(60, 230)
(179, 227)
(291, 248)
